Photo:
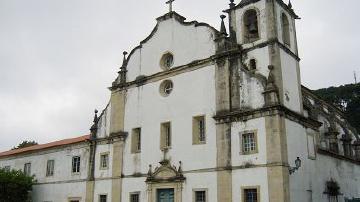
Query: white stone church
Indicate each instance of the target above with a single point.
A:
(198, 114)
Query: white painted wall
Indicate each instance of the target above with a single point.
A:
(250, 178)
(64, 183)
(104, 123)
(238, 159)
(290, 81)
(59, 192)
(100, 149)
(193, 95)
(239, 13)
(313, 174)
(103, 187)
(293, 41)
(171, 36)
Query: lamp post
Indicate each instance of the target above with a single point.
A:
(297, 166)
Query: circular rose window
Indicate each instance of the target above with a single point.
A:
(166, 88)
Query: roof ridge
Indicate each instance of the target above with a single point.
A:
(49, 145)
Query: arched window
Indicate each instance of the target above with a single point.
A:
(285, 29)
(251, 26)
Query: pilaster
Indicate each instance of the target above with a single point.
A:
(118, 136)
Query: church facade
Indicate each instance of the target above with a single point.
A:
(204, 115)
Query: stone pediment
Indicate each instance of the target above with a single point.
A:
(165, 173)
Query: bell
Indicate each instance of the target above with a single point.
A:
(253, 28)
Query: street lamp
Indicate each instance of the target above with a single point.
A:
(297, 166)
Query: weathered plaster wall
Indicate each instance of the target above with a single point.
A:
(59, 192)
(293, 41)
(250, 92)
(252, 177)
(239, 159)
(101, 149)
(103, 187)
(261, 55)
(291, 82)
(260, 7)
(308, 183)
(104, 123)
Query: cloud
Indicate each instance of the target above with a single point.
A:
(58, 57)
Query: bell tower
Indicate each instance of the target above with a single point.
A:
(265, 29)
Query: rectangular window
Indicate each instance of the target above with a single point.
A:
(27, 169)
(102, 198)
(249, 143)
(199, 132)
(7, 168)
(50, 168)
(251, 194)
(136, 140)
(165, 136)
(74, 199)
(135, 197)
(76, 164)
(200, 196)
(104, 161)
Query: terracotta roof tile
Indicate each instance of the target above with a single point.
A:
(45, 146)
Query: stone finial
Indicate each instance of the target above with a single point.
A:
(289, 4)
(180, 167)
(123, 66)
(223, 28)
(122, 72)
(96, 116)
(150, 170)
(93, 128)
(232, 4)
(170, 2)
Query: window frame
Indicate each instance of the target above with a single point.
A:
(164, 59)
(7, 168)
(78, 170)
(165, 135)
(107, 154)
(242, 143)
(106, 197)
(136, 140)
(244, 188)
(196, 130)
(48, 173)
(70, 199)
(200, 190)
(137, 193)
(27, 169)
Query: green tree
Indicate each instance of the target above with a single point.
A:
(24, 144)
(347, 98)
(14, 186)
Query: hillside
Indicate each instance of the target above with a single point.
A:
(347, 98)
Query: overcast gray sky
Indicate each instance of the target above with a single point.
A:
(57, 57)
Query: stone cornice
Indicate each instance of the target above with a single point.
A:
(337, 156)
(244, 115)
(281, 3)
(272, 42)
(142, 80)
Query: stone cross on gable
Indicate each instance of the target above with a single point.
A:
(170, 2)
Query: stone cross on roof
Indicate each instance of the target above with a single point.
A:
(170, 2)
